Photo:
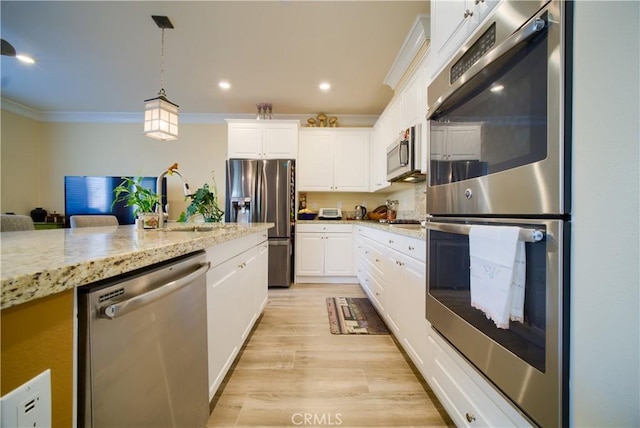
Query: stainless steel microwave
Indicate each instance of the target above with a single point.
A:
(403, 157)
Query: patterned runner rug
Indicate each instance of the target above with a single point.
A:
(354, 315)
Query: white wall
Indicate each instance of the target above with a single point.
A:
(605, 308)
(104, 149)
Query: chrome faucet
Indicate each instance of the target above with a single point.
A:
(173, 169)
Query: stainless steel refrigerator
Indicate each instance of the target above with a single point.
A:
(264, 191)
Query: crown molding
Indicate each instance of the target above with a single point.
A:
(420, 32)
(185, 118)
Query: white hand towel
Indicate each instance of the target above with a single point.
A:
(497, 263)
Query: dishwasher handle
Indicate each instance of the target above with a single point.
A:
(121, 308)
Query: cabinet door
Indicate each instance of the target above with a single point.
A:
(414, 323)
(245, 289)
(338, 249)
(315, 161)
(378, 158)
(351, 166)
(393, 290)
(261, 282)
(411, 102)
(244, 141)
(222, 296)
(310, 254)
(280, 141)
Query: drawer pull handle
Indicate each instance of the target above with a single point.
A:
(390, 241)
(411, 248)
(468, 13)
(470, 417)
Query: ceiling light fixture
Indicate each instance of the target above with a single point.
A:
(324, 86)
(224, 85)
(497, 88)
(8, 50)
(160, 114)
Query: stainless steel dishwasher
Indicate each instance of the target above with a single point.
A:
(143, 348)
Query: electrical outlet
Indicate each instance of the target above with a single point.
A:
(29, 405)
(339, 205)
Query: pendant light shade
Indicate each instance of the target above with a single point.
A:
(160, 114)
(160, 119)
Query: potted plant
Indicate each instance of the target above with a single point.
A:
(205, 202)
(142, 199)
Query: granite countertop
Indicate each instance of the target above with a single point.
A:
(412, 231)
(39, 263)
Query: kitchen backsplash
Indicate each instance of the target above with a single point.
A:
(411, 198)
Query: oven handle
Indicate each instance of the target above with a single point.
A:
(524, 33)
(525, 234)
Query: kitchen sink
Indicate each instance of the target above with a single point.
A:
(201, 228)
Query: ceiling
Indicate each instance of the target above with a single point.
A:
(104, 56)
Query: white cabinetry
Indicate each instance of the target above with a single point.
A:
(334, 160)
(392, 271)
(236, 295)
(324, 253)
(456, 142)
(469, 399)
(262, 139)
(452, 22)
(369, 261)
(378, 156)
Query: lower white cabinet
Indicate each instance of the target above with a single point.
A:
(324, 253)
(236, 295)
(469, 399)
(392, 271)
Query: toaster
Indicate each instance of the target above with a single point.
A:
(330, 214)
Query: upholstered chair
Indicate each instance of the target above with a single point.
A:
(93, 220)
(15, 222)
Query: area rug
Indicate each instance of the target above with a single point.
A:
(353, 315)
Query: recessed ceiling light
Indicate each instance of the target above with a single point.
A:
(224, 85)
(324, 86)
(497, 88)
(25, 59)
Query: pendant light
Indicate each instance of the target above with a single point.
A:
(160, 114)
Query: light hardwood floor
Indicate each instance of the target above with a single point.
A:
(293, 372)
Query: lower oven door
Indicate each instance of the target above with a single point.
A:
(525, 361)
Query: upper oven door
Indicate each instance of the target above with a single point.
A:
(496, 119)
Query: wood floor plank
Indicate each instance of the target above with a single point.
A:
(293, 372)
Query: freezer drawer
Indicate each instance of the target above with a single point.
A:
(280, 266)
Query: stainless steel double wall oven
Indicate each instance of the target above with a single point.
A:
(499, 155)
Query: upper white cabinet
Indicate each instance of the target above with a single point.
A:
(262, 139)
(456, 142)
(378, 158)
(334, 160)
(452, 22)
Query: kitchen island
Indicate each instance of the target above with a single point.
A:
(36, 264)
(40, 271)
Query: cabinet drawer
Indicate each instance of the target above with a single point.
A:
(469, 405)
(411, 247)
(324, 227)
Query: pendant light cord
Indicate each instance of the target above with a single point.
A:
(162, 92)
